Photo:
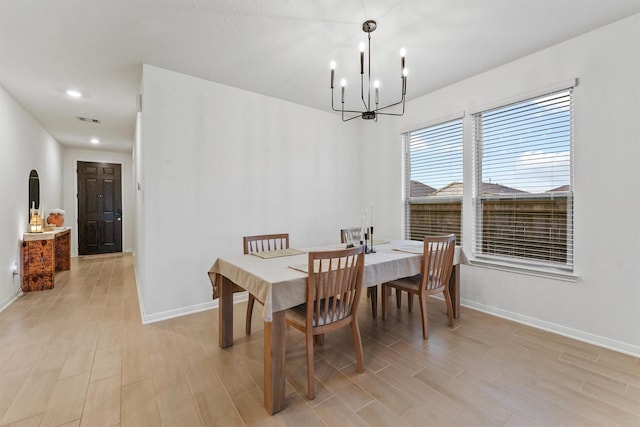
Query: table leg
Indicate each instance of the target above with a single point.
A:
(372, 292)
(454, 290)
(274, 353)
(225, 311)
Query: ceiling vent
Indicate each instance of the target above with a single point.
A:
(88, 120)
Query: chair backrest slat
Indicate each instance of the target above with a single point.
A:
(353, 232)
(265, 242)
(438, 261)
(334, 284)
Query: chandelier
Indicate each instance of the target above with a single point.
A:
(370, 112)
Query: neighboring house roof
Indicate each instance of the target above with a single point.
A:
(490, 188)
(419, 189)
(453, 189)
(566, 187)
(457, 188)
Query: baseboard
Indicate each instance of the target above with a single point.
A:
(140, 302)
(183, 311)
(576, 334)
(8, 301)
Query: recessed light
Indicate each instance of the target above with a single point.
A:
(95, 141)
(74, 93)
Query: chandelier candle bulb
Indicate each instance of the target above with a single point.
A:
(343, 83)
(376, 85)
(405, 72)
(333, 70)
(403, 53)
(361, 57)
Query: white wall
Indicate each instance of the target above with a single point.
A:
(603, 306)
(71, 157)
(24, 145)
(220, 163)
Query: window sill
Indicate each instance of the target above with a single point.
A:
(548, 273)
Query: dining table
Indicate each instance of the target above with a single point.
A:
(279, 280)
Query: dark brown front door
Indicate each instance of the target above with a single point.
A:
(99, 208)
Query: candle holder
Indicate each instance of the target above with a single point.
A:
(368, 241)
(371, 250)
(35, 223)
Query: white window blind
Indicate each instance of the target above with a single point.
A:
(523, 181)
(433, 181)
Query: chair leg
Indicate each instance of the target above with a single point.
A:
(425, 316)
(410, 302)
(319, 339)
(447, 301)
(398, 298)
(372, 292)
(357, 342)
(311, 390)
(250, 302)
(385, 301)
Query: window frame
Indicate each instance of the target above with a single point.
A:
(410, 201)
(478, 198)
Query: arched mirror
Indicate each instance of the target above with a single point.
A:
(34, 190)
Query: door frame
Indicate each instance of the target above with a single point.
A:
(75, 235)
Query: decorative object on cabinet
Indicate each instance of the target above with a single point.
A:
(35, 221)
(56, 217)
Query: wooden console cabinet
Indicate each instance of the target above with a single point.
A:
(42, 255)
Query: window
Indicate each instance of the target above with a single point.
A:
(433, 180)
(522, 188)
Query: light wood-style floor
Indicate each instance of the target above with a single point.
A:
(78, 355)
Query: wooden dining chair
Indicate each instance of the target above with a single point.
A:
(350, 234)
(334, 284)
(437, 263)
(261, 243)
(356, 234)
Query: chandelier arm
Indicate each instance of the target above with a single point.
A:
(352, 111)
(377, 110)
(349, 111)
(332, 107)
(340, 109)
(392, 114)
(402, 101)
(350, 118)
(362, 91)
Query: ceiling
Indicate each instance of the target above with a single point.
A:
(279, 48)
